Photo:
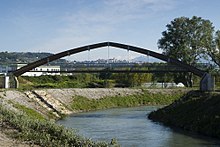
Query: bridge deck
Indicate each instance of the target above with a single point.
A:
(113, 71)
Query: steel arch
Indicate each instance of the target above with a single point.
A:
(72, 51)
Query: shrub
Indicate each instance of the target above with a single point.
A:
(42, 132)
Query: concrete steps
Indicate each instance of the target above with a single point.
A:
(48, 102)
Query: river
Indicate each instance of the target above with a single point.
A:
(131, 127)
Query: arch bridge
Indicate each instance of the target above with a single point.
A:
(206, 83)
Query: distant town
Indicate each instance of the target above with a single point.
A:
(11, 61)
(15, 60)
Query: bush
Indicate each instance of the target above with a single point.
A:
(42, 132)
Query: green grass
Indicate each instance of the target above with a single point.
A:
(84, 104)
(28, 83)
(43, 133)
(28, 111)
(196, 111)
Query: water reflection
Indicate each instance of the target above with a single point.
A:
(132, 128)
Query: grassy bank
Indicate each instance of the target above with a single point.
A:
(41, 132)
(146, 98)
(32, 128)
(196, 111)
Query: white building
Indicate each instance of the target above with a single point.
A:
(41, 70)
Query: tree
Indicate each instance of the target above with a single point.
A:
(187, 40)
(214, 53)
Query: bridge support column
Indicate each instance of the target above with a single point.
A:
(16, 85)
(6, 82)
(207, 82)
(13, 82)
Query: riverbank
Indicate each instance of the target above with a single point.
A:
(196, 111)
(29, 116)
(141, 98)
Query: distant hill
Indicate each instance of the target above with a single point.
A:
(146, 59)
(24, 57)
(28, 57)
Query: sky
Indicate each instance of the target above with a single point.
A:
(57, 25)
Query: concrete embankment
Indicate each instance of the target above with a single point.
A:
(196, 111)
(56, 102)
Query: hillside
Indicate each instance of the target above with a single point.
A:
(196, 111)
(24, 57)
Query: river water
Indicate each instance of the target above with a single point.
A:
(131, 127)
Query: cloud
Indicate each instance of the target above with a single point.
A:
(103, 22)
(130, 6)
(117, 11)
(113, 12)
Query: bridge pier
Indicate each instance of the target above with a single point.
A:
(12, 81)
(207, 82)
(16, 82)
(4, 81)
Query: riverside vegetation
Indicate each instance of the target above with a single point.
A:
(86, 80)
(196, 111)
(42, 132)
(100, 80)
(27, 125)
(146, 98)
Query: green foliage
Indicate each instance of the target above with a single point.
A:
(28, 111)
(187, 40)
(195, 111)
(163, 77)
(131, 79)
(214, 51)
(82, 103)
(43, 133)
(83, 81)
(217, 81)
(77, 81)
(23, 57)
